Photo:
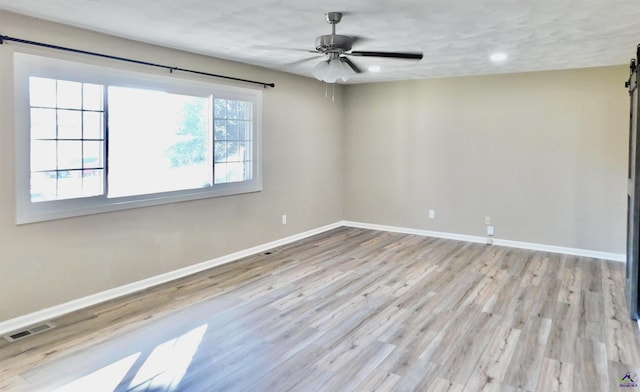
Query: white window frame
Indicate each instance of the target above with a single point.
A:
(26, 65)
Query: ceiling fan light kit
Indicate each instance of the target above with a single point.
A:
(332, 70)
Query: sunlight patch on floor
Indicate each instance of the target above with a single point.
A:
(168, 363)
(104, 379)
(163, 369)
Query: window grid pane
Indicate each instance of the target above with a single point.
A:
(233, 140)
(67, 139)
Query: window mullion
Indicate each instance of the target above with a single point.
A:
(105, 130)
(57, 144)
(211, 140)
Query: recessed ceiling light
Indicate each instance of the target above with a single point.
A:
(498, 57)
(374, 68)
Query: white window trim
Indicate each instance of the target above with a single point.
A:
(26, 65)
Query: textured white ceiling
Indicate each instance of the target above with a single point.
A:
(456, 36)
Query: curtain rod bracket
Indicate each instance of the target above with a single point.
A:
(128, 60)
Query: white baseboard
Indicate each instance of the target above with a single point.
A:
(496, 241)
(407, 230)
(80, 303)
(68, 307)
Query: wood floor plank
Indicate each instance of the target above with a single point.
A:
(546, 299)
(418, 377)
(465, 357)
(534, 271)
(358, 368)
(525, 366)
(511, 388)
(351, 310)
(571, 282)
(316, 381)
(411, 342)
(556, 376)
(489, 372)
(591, 371)
(521, 307)
(499, 302)
(450, 335)
(380, 381)
(563, 336)
(591, 323)
(486, 287)
(592, 275)
(442, 385)
(291, 373)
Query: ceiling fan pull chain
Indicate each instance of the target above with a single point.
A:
(333, 93)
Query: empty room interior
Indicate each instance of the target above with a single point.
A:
(355, 196)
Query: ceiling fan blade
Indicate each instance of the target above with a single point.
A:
(355, 68)
(297, 62)
(358, 39)
(271, 47)
(394, 55)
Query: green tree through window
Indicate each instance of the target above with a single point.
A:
(193, 147)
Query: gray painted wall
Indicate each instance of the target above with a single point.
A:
(543, 154)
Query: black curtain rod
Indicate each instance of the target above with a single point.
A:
(171, 69)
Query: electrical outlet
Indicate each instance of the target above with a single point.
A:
(432, 214)
(490, 231)
(284, 219)
(487, 220)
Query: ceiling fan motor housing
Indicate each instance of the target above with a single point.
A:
(334, 43)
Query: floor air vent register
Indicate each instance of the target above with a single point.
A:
(36, 329)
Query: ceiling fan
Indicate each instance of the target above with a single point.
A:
(337, 47)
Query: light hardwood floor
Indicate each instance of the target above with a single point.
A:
(351, 309)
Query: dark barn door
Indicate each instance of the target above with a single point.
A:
(633, 196)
